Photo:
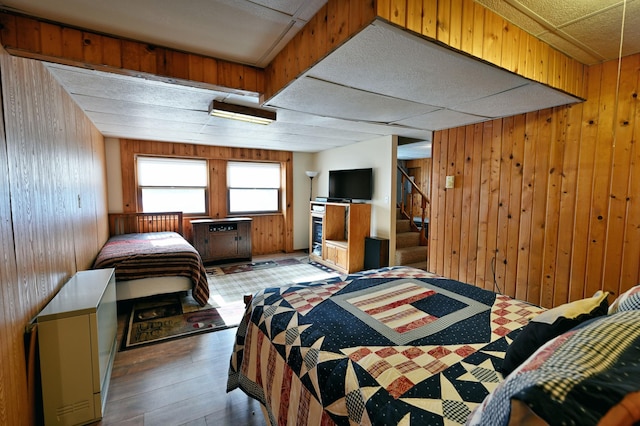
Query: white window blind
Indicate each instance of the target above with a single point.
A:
(172, 184)
(253, 187)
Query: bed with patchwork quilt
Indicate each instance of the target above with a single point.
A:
(391, 346)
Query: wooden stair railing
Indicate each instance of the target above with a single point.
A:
(407, 199)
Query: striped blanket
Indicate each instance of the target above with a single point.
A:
(155, 254)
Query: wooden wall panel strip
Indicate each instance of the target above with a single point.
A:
(586, 161)
(483, 213)
(551, 222)
(618, 193)
(567, 213)
(465, 180)
(503, 206)
(435, 221)
(601, 180)
(630, 262)
(450, 246)
(13, 394)
(515, 200)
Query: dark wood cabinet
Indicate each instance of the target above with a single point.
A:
(222, 239)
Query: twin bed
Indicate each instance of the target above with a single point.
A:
(400, 346)
(151, 256)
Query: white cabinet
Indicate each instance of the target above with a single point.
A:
(77, 345)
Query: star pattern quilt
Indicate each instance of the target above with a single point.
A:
(391, 346)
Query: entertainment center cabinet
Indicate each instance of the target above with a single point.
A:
(337, 234)
(222, 239)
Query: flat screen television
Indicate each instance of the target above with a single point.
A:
(352, 184)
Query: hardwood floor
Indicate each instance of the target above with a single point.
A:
(180, 382)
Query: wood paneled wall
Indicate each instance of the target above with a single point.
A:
(272, 233)
(53, 211)
(547, 202)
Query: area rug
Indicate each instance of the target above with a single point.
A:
(165, 317)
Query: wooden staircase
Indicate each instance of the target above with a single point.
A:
(409, 252)
(411, 240)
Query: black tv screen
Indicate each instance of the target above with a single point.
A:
(352, 184)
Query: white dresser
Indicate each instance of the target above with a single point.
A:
(77, 345)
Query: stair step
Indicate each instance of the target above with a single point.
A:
(407, 239)
(403, 225)
(408, 255)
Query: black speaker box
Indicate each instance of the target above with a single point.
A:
(376, 252)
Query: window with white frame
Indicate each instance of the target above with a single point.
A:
(253, 187)
(172, 184)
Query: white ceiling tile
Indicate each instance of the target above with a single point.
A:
(92, 104)
(331, 100)
(132, 89)
(559, 13)
(602, 32)
(100, 118)
(569, 46)
(443, 119)
(531, 97)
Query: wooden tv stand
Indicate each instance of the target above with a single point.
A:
(337, 234)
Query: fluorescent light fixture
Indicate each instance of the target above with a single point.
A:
(242, 113)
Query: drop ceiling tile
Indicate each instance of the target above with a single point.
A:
(559, 13)
(602, 32)
(137, 90)
(571, 47)
(531, 97)
(442, 119)
(145, 133)
(100, 119)
(287, 116)
(383, 59)
(91, 104)
(331, 100)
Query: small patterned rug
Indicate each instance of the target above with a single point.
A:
(159, 318)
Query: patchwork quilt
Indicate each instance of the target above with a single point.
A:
(391, 346)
